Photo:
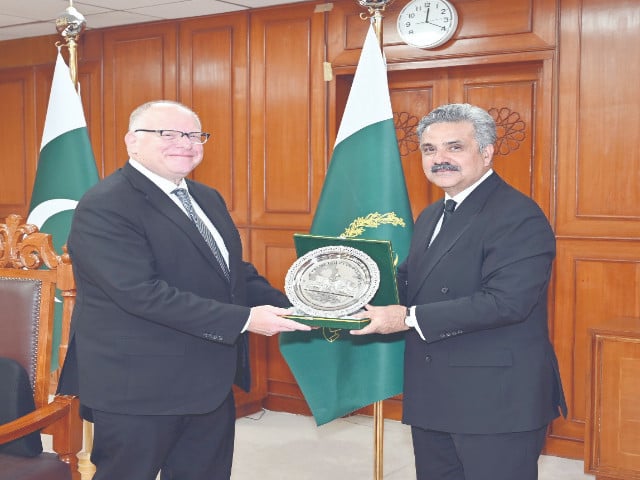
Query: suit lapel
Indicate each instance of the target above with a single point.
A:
(159, 200)
(463, 219)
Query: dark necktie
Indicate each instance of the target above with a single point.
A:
(183, 195)
(449, 207)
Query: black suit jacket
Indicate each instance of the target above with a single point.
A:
(480, 290)
(156, 326)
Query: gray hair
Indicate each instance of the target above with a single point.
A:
(483, 124)
(142, 109)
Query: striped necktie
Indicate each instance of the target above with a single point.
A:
(183, 195)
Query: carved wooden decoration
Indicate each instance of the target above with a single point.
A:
(510, 129)
(406, 123)
(23, 246)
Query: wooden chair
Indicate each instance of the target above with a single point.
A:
(30, 271)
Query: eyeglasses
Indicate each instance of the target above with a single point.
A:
(173, 135)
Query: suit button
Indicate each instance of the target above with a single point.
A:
(427, 358)
(444, 290)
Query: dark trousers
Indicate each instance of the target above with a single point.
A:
(184, 447)
(452, 456)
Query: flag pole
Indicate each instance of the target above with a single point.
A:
(374, 14)
(70, 24)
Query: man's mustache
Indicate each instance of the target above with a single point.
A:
(441, 167)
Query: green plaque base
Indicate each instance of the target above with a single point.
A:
(336, 323)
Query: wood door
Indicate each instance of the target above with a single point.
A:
(516, 95)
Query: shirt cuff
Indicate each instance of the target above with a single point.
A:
(246, 324)
(412, 322)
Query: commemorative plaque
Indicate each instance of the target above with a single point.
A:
(334, 281)
(334, 278)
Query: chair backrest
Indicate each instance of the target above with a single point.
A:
(30, 272)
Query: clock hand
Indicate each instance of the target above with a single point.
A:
(426, 20)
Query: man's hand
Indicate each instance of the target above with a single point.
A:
(389, 319)
(268, 320)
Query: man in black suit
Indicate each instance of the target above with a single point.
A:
(164, 301)
(481, 378)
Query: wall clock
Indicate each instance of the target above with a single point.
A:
(427, 23)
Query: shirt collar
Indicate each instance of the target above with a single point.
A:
(167, 186)
(459, 198)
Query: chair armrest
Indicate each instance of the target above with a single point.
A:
(40, 418)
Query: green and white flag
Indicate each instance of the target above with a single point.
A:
(364, 196)
(66, 169)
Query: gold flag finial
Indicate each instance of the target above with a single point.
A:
(375, 9)
(70, 24)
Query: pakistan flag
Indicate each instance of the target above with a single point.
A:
(364, 196)
(66, 169)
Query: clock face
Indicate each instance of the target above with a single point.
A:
(427, 23)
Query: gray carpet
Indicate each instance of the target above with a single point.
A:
(281, 446)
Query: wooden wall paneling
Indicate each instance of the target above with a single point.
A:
(214, 79)
(521, 103)
(597, 195)
(20, 144)
(273, 251)
(484, 27)
(21, 52)
(599, 119)
(612, 443)
(595, 281)
(140, 64)
(90, 85)
(287, 121)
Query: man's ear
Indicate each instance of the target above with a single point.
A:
(130, 140)
(487, 154)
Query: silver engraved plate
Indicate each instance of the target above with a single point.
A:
(334, 281)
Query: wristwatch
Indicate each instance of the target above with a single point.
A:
(410, 319)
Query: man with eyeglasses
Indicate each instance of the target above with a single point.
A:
(163, 306)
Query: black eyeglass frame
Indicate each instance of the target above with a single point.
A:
(202, 135)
